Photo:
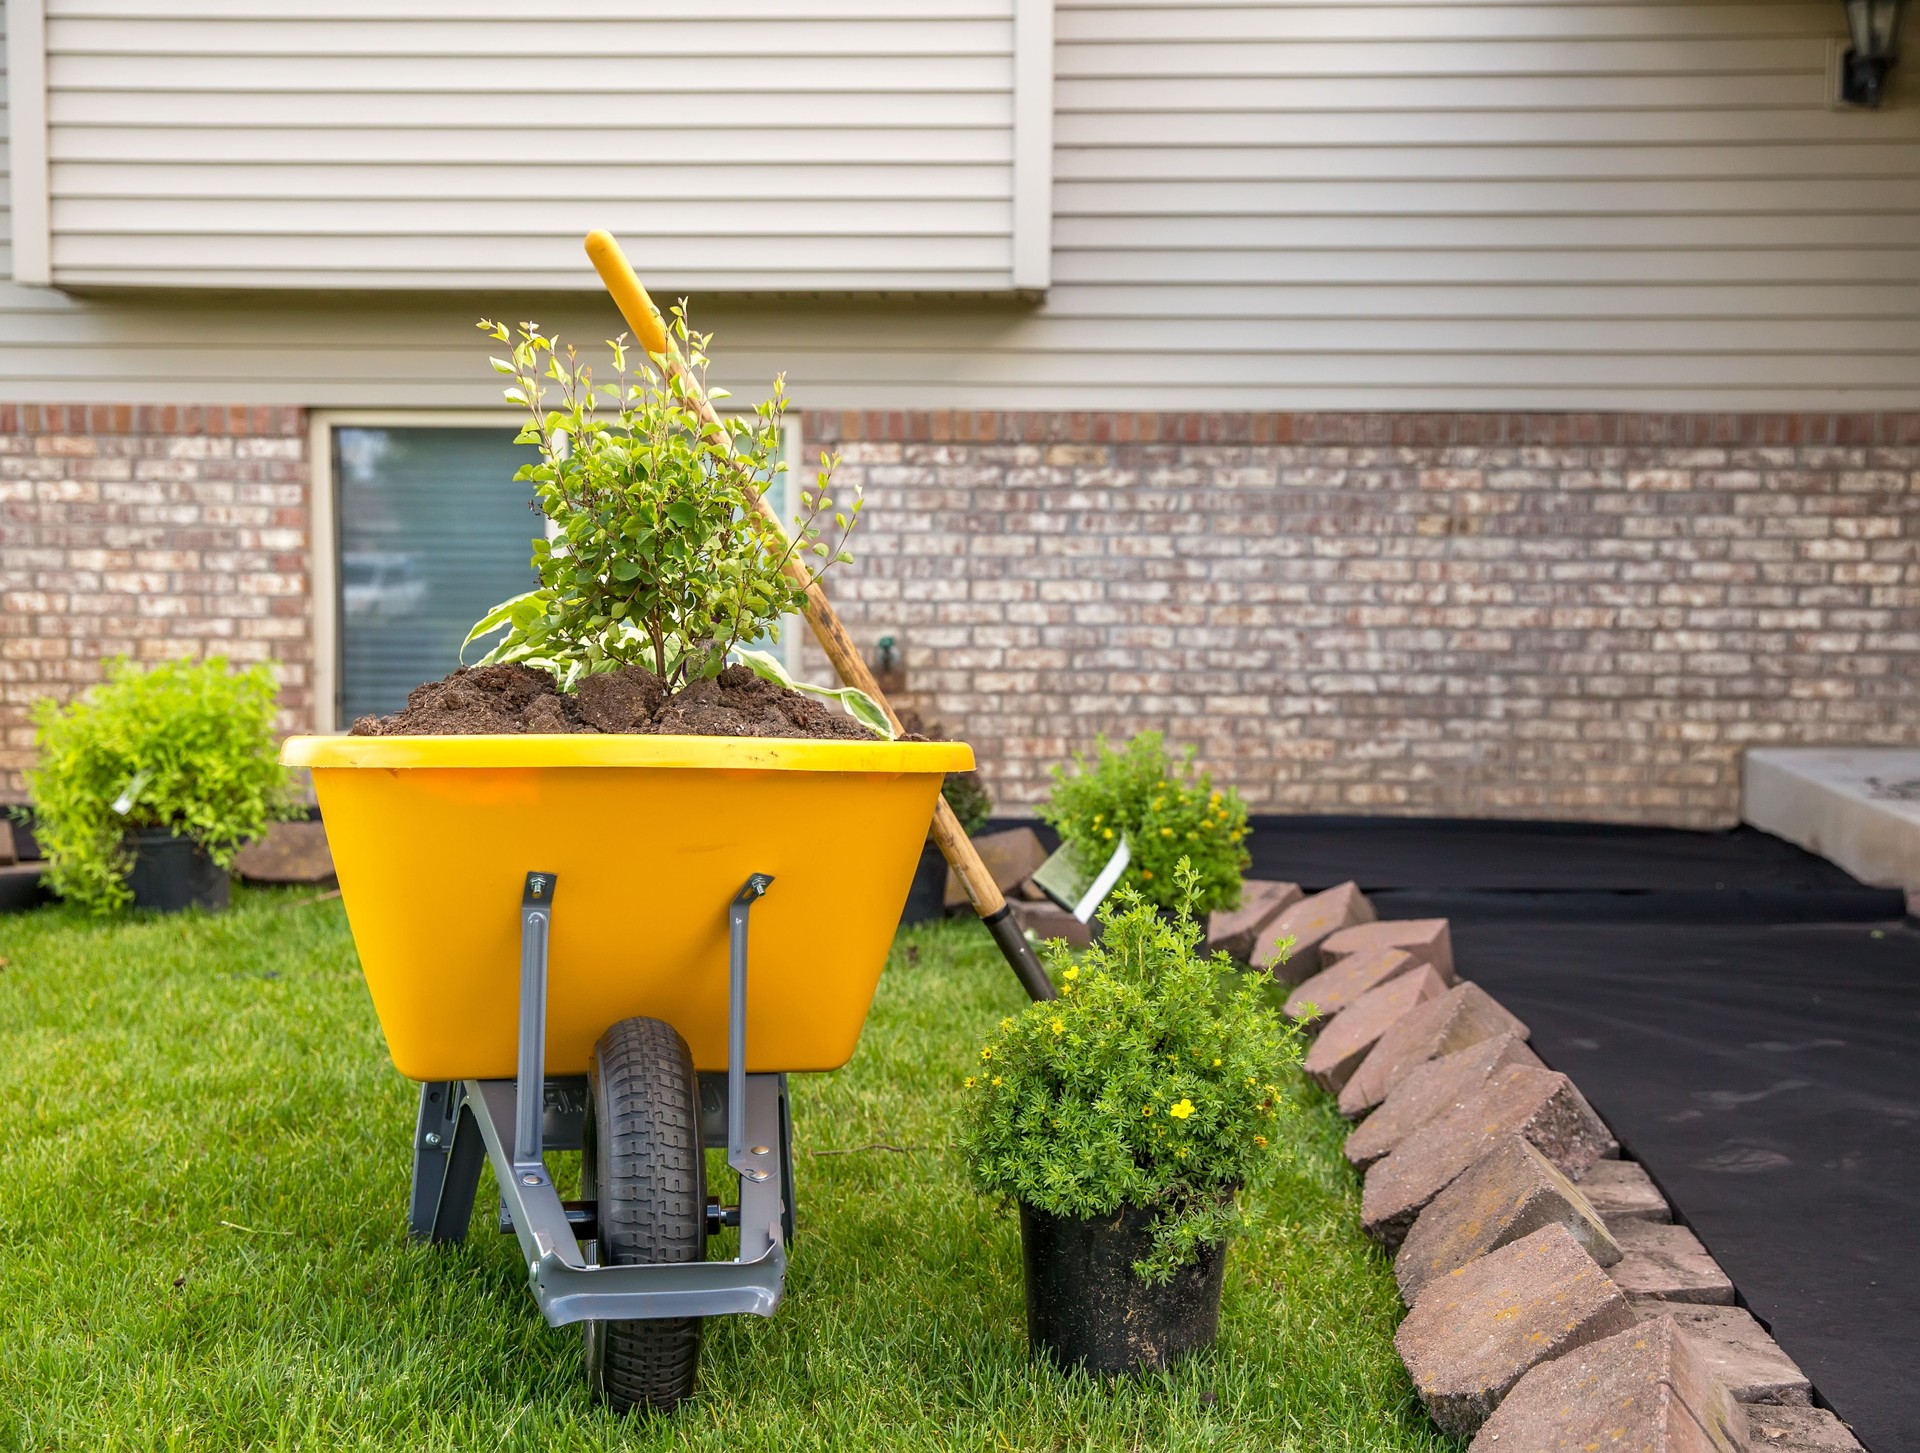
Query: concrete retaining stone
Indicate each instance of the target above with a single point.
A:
(1464, 1015)
(1478, 1330)
(1331, 990)
(1646, 1389)
(1736, 1348)
(1011, 856)
(1353, 1032)
(1430, 940)
(1540, 1105)
(1621, 1190)
(1508, 1193)
(1050, 920)
(1668, 1263)
(1798, 1430)
(291, 852)
(1432, 1089)
(1309, 923)
(1236, 930)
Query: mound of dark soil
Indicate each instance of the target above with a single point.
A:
(513, 700)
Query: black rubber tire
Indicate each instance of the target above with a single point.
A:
(643, 1162)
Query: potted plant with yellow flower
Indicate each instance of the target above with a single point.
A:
(1128, 1120)
(1164, 808)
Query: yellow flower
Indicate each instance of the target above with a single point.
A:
(1146, 1109)
(1166, 832)
(1216, 1063)
(971, 1082)
(996, 1081)
(1073, 972)
(1066, 988)
(1107, 834)
(987, 1053)
(1058, 1026)
(1257, 1140)
(1182, 1110)
(1098, 818)
(1007, 1023)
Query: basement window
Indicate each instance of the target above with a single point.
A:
(430, 532)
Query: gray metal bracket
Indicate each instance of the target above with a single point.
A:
(536, 921)
(750, 1160)
(566, 1287)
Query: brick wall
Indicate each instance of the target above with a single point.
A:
(1585, 616)
(1578, 616)
(150, 532)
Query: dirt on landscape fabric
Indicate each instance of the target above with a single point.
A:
(513, 699)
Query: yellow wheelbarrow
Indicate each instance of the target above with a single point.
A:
(554, 930)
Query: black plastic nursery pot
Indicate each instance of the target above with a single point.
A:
(926, 899)
(173, 873)
(1086, 1307)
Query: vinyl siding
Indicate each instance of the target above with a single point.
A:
(297, 144)
(1316, 206)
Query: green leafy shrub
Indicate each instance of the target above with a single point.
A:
(1166, 810)
(655, 555)
(967, 795)
(1153, 1082)
(185, 746)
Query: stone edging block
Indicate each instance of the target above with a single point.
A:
(1509, 1193)
(1430, 940)
(1541, 1105)
(1309, 923)
(1737, 1349)
(1430, 1091)
(1332, 990)
(1353, 1033)
(1477, 1331)
(1668, 1263)
(1621, 1190)
(1646, 1388)
(1236, 930)
(1463, 1016)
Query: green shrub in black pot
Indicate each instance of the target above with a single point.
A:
(1129, 1119)
(145, 788)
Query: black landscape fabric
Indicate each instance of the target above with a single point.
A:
(1768, 1076)
(1764, 1065)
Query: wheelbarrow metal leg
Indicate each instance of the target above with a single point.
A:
(432, 1139)
(453, 1211)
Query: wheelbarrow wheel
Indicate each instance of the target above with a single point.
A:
(643, 1162)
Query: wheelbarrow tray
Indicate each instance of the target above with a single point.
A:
(649, 839)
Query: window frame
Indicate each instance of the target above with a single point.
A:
(324, 536)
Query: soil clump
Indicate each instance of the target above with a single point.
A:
(513, 700)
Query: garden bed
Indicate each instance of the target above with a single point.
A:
(203, 1195)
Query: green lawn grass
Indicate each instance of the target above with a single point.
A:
(203, 1179)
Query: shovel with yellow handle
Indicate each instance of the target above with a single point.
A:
(651, 332)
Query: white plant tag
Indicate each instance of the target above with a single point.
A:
(1103, 885)
(123, 804)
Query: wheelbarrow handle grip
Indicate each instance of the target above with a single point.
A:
(958, 849)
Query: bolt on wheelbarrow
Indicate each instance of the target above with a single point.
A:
(621, 945)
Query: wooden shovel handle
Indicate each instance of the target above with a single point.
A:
(649, 328)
